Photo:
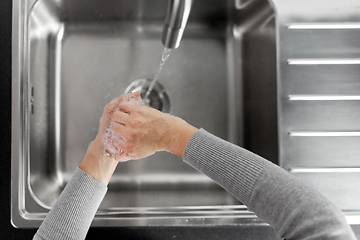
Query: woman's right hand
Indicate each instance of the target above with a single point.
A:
(131, 130)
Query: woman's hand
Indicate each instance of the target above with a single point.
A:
(144, 130)
(97, 162)
(130, 130)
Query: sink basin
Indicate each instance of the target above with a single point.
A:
(79, 55)
(70, 58)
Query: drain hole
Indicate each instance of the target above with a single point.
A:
(158, 97)
(153, 100)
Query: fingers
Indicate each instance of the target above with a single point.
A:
(121, 117)
(118, 128)
(121, 138)
(128, 97)
(135, 95)
(111, 106)
(127, 107)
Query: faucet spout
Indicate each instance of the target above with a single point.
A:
(176, 18)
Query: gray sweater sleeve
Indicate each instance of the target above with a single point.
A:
(73, 212)
(293, 209)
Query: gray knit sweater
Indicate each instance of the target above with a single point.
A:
(292, 208)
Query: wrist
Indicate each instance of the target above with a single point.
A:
(177, 136)
(97, 164)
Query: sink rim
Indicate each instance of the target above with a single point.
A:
(20, 201)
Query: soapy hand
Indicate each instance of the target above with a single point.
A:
(131, 130)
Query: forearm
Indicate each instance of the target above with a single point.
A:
(73, 212)
(293, 209)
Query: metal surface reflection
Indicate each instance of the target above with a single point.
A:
(279, 78)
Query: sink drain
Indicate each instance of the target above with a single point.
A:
(158, 97)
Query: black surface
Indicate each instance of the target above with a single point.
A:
(7, 231)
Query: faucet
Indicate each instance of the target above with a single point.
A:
(176, 18)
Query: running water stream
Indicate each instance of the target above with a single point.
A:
(164, 57)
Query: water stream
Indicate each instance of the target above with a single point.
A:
(164, 57)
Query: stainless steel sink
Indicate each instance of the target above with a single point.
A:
(70, 58)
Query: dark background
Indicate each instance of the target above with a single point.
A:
(7, 231)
